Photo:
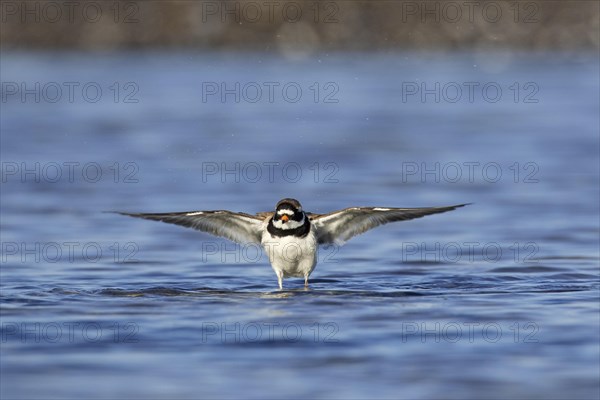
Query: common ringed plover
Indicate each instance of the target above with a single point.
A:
(289, 235)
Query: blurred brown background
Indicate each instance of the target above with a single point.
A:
(300, 26)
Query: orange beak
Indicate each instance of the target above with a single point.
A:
(285, 218)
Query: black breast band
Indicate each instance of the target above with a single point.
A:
(300, 231)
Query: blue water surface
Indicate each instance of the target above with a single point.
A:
(499, 299)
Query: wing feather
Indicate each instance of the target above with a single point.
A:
(237, 227)
(340, 226)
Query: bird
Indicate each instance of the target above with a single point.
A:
(289, 235)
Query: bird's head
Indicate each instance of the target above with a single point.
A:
(288, 214)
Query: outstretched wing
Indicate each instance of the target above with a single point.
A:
(340, 226)
(237, 227)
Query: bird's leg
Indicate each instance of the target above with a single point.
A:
(280, 279)
(306, 282)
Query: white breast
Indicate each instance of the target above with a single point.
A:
(291, 255)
